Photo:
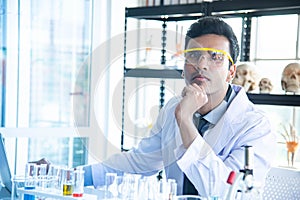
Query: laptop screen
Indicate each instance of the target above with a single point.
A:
(5, 175)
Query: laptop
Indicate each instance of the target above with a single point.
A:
(5, 175)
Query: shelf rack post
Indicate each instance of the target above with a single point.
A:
(246, 37)
(124, 71)
(163, 62)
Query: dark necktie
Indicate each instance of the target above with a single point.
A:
(203, 125)
(188, 187)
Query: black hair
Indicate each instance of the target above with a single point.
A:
(214, 25)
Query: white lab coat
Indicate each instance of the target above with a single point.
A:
(242, 124)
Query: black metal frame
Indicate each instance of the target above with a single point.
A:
(225, 8)
(221, 7)
(275, 99)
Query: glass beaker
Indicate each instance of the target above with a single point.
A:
(68, 182)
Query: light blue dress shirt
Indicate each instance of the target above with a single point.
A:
(241, 124)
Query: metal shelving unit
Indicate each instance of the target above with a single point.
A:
(230, 8)
(224, 8)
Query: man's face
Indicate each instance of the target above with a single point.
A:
(211, 69)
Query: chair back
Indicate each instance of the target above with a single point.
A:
(282, 184)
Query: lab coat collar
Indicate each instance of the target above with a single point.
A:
(222, 132)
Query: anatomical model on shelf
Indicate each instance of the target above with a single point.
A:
(265, 86)
(246, 76)
(290, 79)
(292, 141)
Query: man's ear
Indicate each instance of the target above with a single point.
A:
(231, 73)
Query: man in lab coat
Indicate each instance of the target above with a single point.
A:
(178, 144)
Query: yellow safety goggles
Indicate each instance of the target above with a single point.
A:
(212, 56)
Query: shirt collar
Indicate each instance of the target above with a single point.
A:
(214, 115)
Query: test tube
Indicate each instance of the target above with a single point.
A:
(214, 192)
(30, 180)
(41, 176)
(110, 185)
(172, 188)
(78, 183)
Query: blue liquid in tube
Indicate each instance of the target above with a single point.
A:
(29, 196)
